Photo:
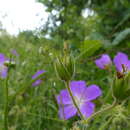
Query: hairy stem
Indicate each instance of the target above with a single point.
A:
(73, 99)
(6, 104)
(101, 111)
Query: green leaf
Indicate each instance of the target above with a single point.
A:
(121, 36)
(89, 47)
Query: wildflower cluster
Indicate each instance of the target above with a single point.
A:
(77, 99)
(121, 82)
(121, 61)
(83, 96)
(35, 76)
(5, 65)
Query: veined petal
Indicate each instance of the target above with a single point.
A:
(104, 61)
(87, 109)
(128, 66)
(37, 82)
(121, 59)
(67, 112)
(92, 92)
(64, 98)
(38, 73)
(2, 58)
(78, 88)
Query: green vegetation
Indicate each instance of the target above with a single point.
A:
(106, 31)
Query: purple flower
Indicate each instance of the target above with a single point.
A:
(103, 62)
(3, 68)
(83, 96)
(37, 82)
(14, 52)
(122, 62)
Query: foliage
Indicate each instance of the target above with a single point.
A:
(121, 36)
(106, 31)
(36, 108)
(89, 47)
(31, 104)
(110, 17)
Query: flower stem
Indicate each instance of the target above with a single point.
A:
(110, 91)
(73, 99)
(6, 104)
(101, 111)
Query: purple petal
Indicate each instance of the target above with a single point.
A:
(64, 97)
(37, 82)
(78, 87)
(92, 92)
(103, 62)
(67, 112)
(38, 73)
(2, 58)
(87, 109)
(121, 59)
(14, 52)
(83, 96)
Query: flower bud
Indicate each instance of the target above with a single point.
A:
(65, 67)
(121, 87)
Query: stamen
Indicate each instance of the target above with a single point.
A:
(79, 101)
(124, 68)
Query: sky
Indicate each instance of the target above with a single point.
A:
(20, 15)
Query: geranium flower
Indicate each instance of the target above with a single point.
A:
(83, 96)
(14, 52)
(38, 81)
(122, 62)
(104, 62)
(3, 67)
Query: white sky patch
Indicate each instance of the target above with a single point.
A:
(20, 15)
(87, 12)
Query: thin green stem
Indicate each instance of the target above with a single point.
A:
(101, 111)
(110, 91)
(73, 99)
(6, 104)
(46, 117)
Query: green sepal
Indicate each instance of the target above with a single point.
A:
(65, 67)
(121, 87)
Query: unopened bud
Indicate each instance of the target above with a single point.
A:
(65, 67)
(121, 87)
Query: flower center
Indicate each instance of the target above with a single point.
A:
(124, 68)
(124, 71)
(78, 101)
